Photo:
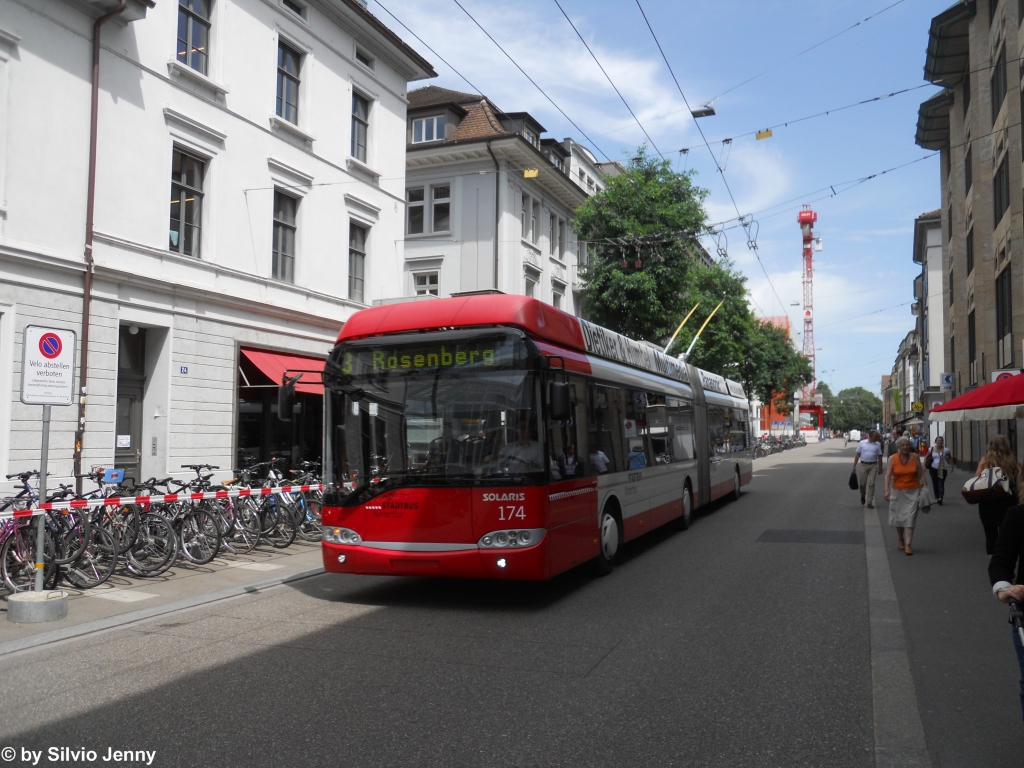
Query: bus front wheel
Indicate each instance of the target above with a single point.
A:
(610, 538)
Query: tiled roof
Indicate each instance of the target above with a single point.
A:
(480, 122)
(432, 94)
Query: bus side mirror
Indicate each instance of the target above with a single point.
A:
(286, 397)
(558, 399)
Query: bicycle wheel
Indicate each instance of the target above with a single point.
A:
(245, 530)
(70, 531)
(311, 523)
(278, 525)
(120, 522)
(18, 558)
(156, 546)
(96, 563)
(199, 536)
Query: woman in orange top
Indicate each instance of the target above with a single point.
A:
(904, 479)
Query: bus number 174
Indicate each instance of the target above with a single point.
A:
(510, 513)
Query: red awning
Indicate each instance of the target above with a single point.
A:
(1003, 399)
(274, 364)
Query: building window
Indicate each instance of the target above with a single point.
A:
(970, 251)
(415, 211)
(531, 137)
(442, 208)
(288, 62)
(426, 283)
(283, 266)
(998, 83)
(297, 8)
(365, 59)
(535, 214)
(949, 223)
(582, 176)
(556, 299)
(1004, 319)
(561, 239)
(356, 261)
(1001, 190)
(993, 5)
(552, 233)
(186, 203)
(531, 286)
(967, 93)
(968, 172)
(428, 129)
(951, 288)
(360, 126)
(972, 348)
(194, 33)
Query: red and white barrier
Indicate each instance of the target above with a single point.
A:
(168, 498)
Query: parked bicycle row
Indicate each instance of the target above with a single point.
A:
(83, 547)
(767, 445)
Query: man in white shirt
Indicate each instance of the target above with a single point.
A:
(869, 454)
(600, 461)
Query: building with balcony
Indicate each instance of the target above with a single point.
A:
(973, 52)
(929, 308)
(249, 197)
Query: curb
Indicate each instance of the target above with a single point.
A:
(90, 627)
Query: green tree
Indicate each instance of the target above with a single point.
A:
(647, 201)
(727, 338)
(771, 368)
(853, 408)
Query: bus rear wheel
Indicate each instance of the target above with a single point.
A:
(736, 487)
(610, 538)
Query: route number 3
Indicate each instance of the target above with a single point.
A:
(511, 513)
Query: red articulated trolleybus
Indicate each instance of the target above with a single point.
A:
(493, 436)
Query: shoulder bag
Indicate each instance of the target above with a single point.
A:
(990, 485)
(925, 499)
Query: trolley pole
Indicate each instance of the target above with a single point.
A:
(44, 456)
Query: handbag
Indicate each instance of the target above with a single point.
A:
(925, 499)
(990, 485)
(854, 485)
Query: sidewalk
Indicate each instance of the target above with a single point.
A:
(124, 598)
(962, 660)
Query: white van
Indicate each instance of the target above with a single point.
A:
(855, 435)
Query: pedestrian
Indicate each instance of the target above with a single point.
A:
(904, 479)
(890, 444)
(869, 454)
(940, 463)
(1001, 455)
(1006, 585)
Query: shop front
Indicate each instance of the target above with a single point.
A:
(260, 434)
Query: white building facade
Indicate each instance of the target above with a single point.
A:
(489, 202)
(249, 198)
(930, 307)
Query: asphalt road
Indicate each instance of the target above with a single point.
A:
(744, 641)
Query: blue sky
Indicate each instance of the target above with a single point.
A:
(867, 232)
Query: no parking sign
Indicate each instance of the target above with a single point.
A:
(48, 366)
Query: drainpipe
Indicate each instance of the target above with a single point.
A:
(83, 377)
(497, 211)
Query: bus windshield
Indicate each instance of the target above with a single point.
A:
(457, 409)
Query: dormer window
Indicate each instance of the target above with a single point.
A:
(531, 137)
(428, 129)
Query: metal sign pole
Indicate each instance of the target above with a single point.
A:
(44, 454)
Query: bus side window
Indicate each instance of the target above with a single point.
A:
(681, 415)
(605, 443)
(716, 430)
(634, 441)
(738, 436)
(659, 428)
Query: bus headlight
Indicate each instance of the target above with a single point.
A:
(518, 537)
(335, 535)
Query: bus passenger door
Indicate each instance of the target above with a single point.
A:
(572, 494)
(700, 419)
